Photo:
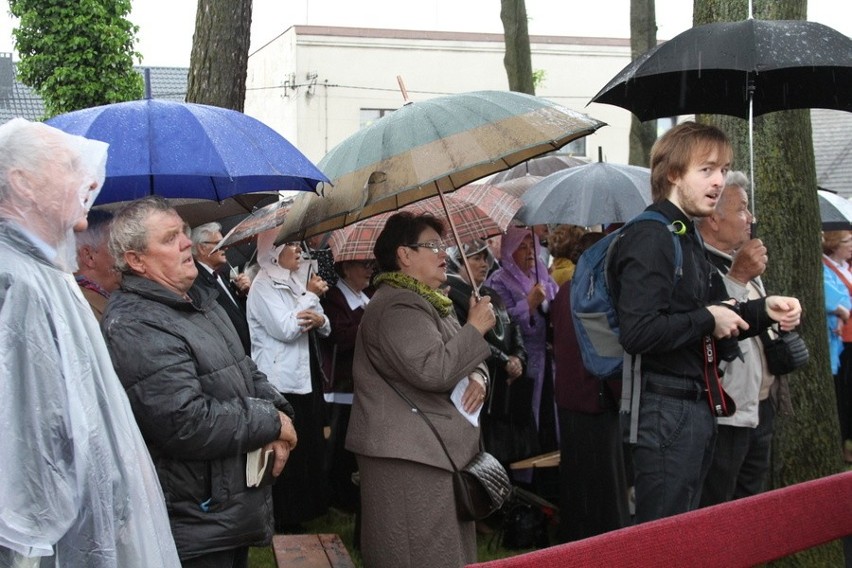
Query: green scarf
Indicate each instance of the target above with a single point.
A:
(443, 304)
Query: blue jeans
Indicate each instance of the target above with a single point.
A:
(673, 452)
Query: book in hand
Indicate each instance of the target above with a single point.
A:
(258, 468)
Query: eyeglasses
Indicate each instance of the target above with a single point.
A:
(434, 246)
(214, 243)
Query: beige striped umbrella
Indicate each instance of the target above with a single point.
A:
(428, 148)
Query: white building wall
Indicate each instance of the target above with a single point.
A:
(311, 83)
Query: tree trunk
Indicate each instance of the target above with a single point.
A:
(218, 64)
(518, 61)
(643, 36)
(806, 444)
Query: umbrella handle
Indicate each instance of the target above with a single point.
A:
(455, 233)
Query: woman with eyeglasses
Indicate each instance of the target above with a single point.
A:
(523, 282)
(284, 316)
(344, 306)
(411, 344)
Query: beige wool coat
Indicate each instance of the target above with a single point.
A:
(407, 502)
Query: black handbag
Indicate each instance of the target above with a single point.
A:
(482, 486)
(786, 353)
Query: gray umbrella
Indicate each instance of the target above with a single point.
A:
(593, 194)
(835, 212)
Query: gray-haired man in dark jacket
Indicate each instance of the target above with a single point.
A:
(200, 401)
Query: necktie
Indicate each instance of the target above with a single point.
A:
(225, 287)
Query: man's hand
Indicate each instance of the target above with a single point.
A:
(728, 322)
(749, 261)
(243, 283)
(480, 314)
(287, 434)
(280, 454)
(786, 311)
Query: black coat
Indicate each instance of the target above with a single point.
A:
(201, 404)
(236, 312)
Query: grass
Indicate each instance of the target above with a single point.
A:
(343, 525)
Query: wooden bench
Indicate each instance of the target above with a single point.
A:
(310, 551)
(550, 459)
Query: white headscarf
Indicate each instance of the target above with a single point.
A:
(267, 259)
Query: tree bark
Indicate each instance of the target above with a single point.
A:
(218, 64)
(643, 36)
(806, 444)
(518, 60)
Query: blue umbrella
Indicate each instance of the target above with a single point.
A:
(188, 151)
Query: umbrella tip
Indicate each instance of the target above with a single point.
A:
(147, 76)
(402, 89)
(600, 153)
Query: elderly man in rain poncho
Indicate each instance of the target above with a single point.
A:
(77, 486)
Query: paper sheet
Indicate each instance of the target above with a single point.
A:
(456, 397)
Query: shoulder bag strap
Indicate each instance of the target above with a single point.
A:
(416, 410)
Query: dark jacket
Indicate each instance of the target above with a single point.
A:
(236, 312)
(660, 318)
(201, 405)
(338, 348)
(504, 339)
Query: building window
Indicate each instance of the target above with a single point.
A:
(575, 147)
(371, 115)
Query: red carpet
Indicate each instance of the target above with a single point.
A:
(740, 533)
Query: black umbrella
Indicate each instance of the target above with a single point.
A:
(742, 69)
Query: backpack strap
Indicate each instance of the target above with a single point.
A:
(631, 373)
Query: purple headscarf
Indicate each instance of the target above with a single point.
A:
(512, 239)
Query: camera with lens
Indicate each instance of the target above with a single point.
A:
(728, 348)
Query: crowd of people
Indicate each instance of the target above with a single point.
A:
(392, 371)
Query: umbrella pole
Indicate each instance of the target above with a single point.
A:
(459, 244)
(751, 157)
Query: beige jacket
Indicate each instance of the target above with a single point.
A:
(403, 338)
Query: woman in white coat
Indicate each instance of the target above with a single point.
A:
(284, 314)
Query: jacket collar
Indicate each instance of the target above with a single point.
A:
(201, 298)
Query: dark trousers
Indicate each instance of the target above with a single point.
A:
(673, 452)
(741, 459)
(592, 482)
(233, 558)
(843, 390)
(340, 462)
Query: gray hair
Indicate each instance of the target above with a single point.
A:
(97, 231)
(128, 231)
(202, 233)
(738, 179)
(23, 145)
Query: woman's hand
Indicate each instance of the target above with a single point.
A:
(317, 285)
(514, 368)
(480, 314)
(536, 296)
(474, 394)
(310, 319)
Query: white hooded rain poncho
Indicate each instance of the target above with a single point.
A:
(78, 486)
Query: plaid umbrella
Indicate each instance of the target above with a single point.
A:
(516, 186)
(478, 212)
